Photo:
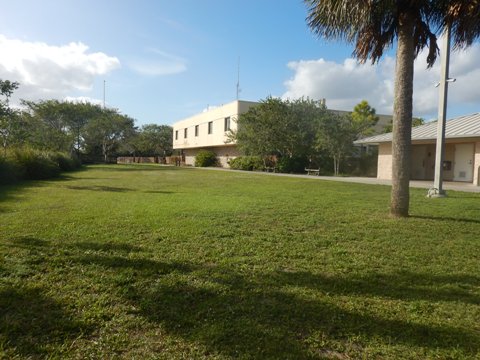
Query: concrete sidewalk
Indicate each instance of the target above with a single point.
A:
(447, 185)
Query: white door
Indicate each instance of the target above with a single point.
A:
(419, 154)
(463, 166)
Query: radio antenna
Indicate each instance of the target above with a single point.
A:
(238, 78)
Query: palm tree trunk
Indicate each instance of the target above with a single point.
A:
(402, 119)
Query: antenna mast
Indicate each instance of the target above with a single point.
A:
(238, 78)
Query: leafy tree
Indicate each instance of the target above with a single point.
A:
(106, 132)
(364, 119)
(281, 127)
(153, 140)
(7, 115)
(335, 135)
(50, 130)
(76, 117)
(374, 26)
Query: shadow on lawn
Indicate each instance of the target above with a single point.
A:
(136, 167)
(31, 323)
(115, 189)
(241, 314)
(445, 218)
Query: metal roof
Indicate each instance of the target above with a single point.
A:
(466, 126)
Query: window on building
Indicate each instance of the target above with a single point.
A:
(185, 133)
(210, 127)
(176, 134)
(227, 123)
(196, 130)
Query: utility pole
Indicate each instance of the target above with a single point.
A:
(442, 114)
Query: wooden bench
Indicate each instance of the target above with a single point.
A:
(313, 171)
(271, 169)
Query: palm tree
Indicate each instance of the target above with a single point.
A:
(373, 26)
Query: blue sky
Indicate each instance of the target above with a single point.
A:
(165, 60)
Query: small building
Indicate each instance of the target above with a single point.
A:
(462, 151)
(209, 130)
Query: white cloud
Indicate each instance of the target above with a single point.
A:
(159, 63)
(345, 84)
(46, 71)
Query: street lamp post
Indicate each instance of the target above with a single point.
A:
(442, 114)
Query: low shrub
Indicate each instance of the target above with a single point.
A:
(206, 158)
(32, 164)
(248, 163)
(36, 164)
(292, 165)
(9, 171)
(64, 161)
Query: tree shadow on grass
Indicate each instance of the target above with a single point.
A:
(445, 218)
(406, 286)
(136, 167)
(31, 323)
(252, 315)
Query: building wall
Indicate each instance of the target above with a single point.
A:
(224, 154)
(476, 165)
(217, 140)
(384, 168)
(216, 118)
(385, 161)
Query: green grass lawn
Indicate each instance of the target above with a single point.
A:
(156, 262)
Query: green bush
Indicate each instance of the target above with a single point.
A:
(248, 163)
(9, 171)
(206, 158)
(32, 164)
(64, 161)
(292, 165)
(36, 164)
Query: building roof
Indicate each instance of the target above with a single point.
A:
(467, 126)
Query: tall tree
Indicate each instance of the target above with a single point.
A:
(153, 140)
(7, 115)
(374, 26)
(281, 127)
(335, 135)
(107, 131)
(364, 119)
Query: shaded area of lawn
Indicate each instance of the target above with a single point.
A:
(122, 262)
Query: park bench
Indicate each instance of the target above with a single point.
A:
(271, 169)
(313, 171)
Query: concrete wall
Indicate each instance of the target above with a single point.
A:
(216, 117)
(385, 161)
(384, 168)
(476, 164)
(224, 154)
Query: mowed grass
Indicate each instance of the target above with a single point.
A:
(146, 262)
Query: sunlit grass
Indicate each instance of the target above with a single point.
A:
(158, 262)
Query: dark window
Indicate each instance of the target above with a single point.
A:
(227, 123)
(196, 130)
(176, 134)
(210, 127)
(185, 132)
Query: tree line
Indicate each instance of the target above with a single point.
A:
(302, 133)
(84, 130)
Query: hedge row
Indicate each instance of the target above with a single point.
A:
(31, 164)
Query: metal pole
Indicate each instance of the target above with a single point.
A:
(104, 94)
(442, 114)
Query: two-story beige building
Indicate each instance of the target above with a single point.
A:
(462, 151)
(208, 130)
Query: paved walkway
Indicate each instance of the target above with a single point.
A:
(447, 185)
